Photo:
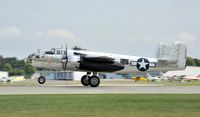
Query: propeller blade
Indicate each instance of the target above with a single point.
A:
(65, 59)
(66, 52)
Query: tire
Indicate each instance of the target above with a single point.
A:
(94, 81)
(84, 80)
(41, 80)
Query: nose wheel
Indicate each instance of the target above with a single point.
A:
(41, 80)
(93, 81)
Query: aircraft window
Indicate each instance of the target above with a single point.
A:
(53, 50)
(49, 52)
(58, 52)
(124, 61)
(43, 56)
(61, 52)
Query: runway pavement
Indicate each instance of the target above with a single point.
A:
(43, 89)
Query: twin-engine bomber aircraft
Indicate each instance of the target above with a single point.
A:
(169, 57)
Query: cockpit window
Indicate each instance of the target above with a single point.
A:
(63, 52)
(53, 50)
(58, 52)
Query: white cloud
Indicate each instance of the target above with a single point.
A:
(187, 38)
(10, 31)
(60, 33)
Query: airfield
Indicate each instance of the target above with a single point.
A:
(113, 98)
(124, 86)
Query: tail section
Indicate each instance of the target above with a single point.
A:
(174, 53)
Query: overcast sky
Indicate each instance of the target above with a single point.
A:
(133, 27)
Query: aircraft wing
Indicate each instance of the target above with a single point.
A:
(95, 58)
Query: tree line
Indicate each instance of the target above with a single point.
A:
(193, 62)
(16, 67)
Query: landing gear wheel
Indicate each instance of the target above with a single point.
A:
(84, 80)
(41, 80)
(94, 81)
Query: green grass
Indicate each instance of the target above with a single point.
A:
(100, 105)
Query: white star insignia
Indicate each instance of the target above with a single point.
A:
(143, 64)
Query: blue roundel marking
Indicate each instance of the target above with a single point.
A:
(142, 64)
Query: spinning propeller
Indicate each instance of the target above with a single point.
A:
(65, 59)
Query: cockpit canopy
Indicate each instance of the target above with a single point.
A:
(57, 51)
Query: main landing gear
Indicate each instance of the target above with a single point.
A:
(93, 80)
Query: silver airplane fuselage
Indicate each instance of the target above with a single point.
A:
(54, 62)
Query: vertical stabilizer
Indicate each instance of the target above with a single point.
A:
(173, 52)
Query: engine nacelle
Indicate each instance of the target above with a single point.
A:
(73, 62)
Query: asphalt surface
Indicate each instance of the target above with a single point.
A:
(41, 89)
